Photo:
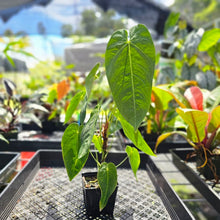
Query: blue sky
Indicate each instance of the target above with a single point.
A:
(55, 14)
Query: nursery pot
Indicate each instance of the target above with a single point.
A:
(206, 171)
(92, 196)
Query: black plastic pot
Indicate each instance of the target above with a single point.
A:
(48, 193)
(92, 197)
(204, 187)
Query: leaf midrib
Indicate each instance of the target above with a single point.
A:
(132, 82)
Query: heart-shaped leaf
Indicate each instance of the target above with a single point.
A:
(129, 63)
(107, 178)
(70, 150)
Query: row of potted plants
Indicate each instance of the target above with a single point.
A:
(129, 66)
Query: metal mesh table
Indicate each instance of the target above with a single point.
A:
(52, 196)
(42, 190)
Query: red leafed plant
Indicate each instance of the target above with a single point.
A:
(203, 132)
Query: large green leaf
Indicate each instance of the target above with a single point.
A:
(209, 39)
(107, 178)
(73, 105)
(135, 136)
(214, 123)
(196, 121)
(129, 63)
(70, 150)
(134, 158)
(88, 132)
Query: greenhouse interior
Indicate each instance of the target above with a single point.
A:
(109, 109)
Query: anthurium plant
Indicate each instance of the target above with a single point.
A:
(203, 129)
(129, 65)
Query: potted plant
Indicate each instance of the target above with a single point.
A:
(13, 111)
(194, 53)
(129, 65)
(161, 115)
(202, 133)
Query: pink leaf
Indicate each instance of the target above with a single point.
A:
(195, 97)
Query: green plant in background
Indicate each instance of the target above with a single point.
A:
(13, 111)
(16, 45)
(161, 113)
(197, 52)
(46, 74)
(56, 101)
(162, 116)
(129, 63)
(202, 131)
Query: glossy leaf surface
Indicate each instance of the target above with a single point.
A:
(90, 78)
(70, 150)
(134, 158)
(97, 140)
(135, 136)
(73, 105)
(215, 119)
(107, 178)
(195, 97)
(164, 136)
(196, 121)
(209, 39)
(88, 132)
(129, 63)
(161, 98)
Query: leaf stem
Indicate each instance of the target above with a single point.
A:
(122, 162)
(95, 159)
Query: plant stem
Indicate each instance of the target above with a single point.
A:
(122, 162)
(95, 159)
(105, 139)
